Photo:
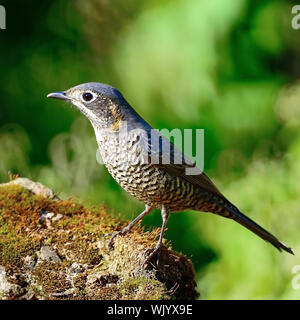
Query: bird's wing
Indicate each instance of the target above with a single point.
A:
(163, 154)
(176, 169)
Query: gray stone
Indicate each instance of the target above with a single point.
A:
(29, 262)
(76, 268)
(48, 254)
(8, 289)
(35, 187)
(57, 217)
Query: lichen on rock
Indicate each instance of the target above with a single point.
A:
(54, 249)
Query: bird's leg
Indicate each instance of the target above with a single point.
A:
(147, 210)
(156, 250)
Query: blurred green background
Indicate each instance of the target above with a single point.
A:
(231, 67)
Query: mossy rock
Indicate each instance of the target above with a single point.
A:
(54, 249)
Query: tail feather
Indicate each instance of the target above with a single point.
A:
(236, 215)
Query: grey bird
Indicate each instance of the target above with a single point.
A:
(136, 157)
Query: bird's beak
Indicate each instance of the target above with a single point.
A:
(58, 95)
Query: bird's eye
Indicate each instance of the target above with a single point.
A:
(87, 96)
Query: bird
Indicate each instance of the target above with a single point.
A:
(148, 165)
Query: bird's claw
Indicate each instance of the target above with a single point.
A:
(113, 235)
(154, 252)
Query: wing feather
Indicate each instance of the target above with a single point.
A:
(163, 154)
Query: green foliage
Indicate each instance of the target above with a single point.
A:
(227, 66)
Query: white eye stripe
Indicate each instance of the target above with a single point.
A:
(88, 96)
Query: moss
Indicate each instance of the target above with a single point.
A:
(75, 232)
(13, 224)
(13, 249)
(21, 230)
(51, 278)
(140, 288)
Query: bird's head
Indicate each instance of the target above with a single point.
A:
(102, 104)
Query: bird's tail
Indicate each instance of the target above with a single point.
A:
(236, 215)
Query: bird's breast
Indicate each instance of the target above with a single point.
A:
(124, 159)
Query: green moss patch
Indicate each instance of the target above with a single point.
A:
(82, 267)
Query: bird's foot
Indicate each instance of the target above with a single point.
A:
(153, 252)
(113, 235)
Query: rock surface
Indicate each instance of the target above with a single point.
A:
(54, 249)
(35, 187)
